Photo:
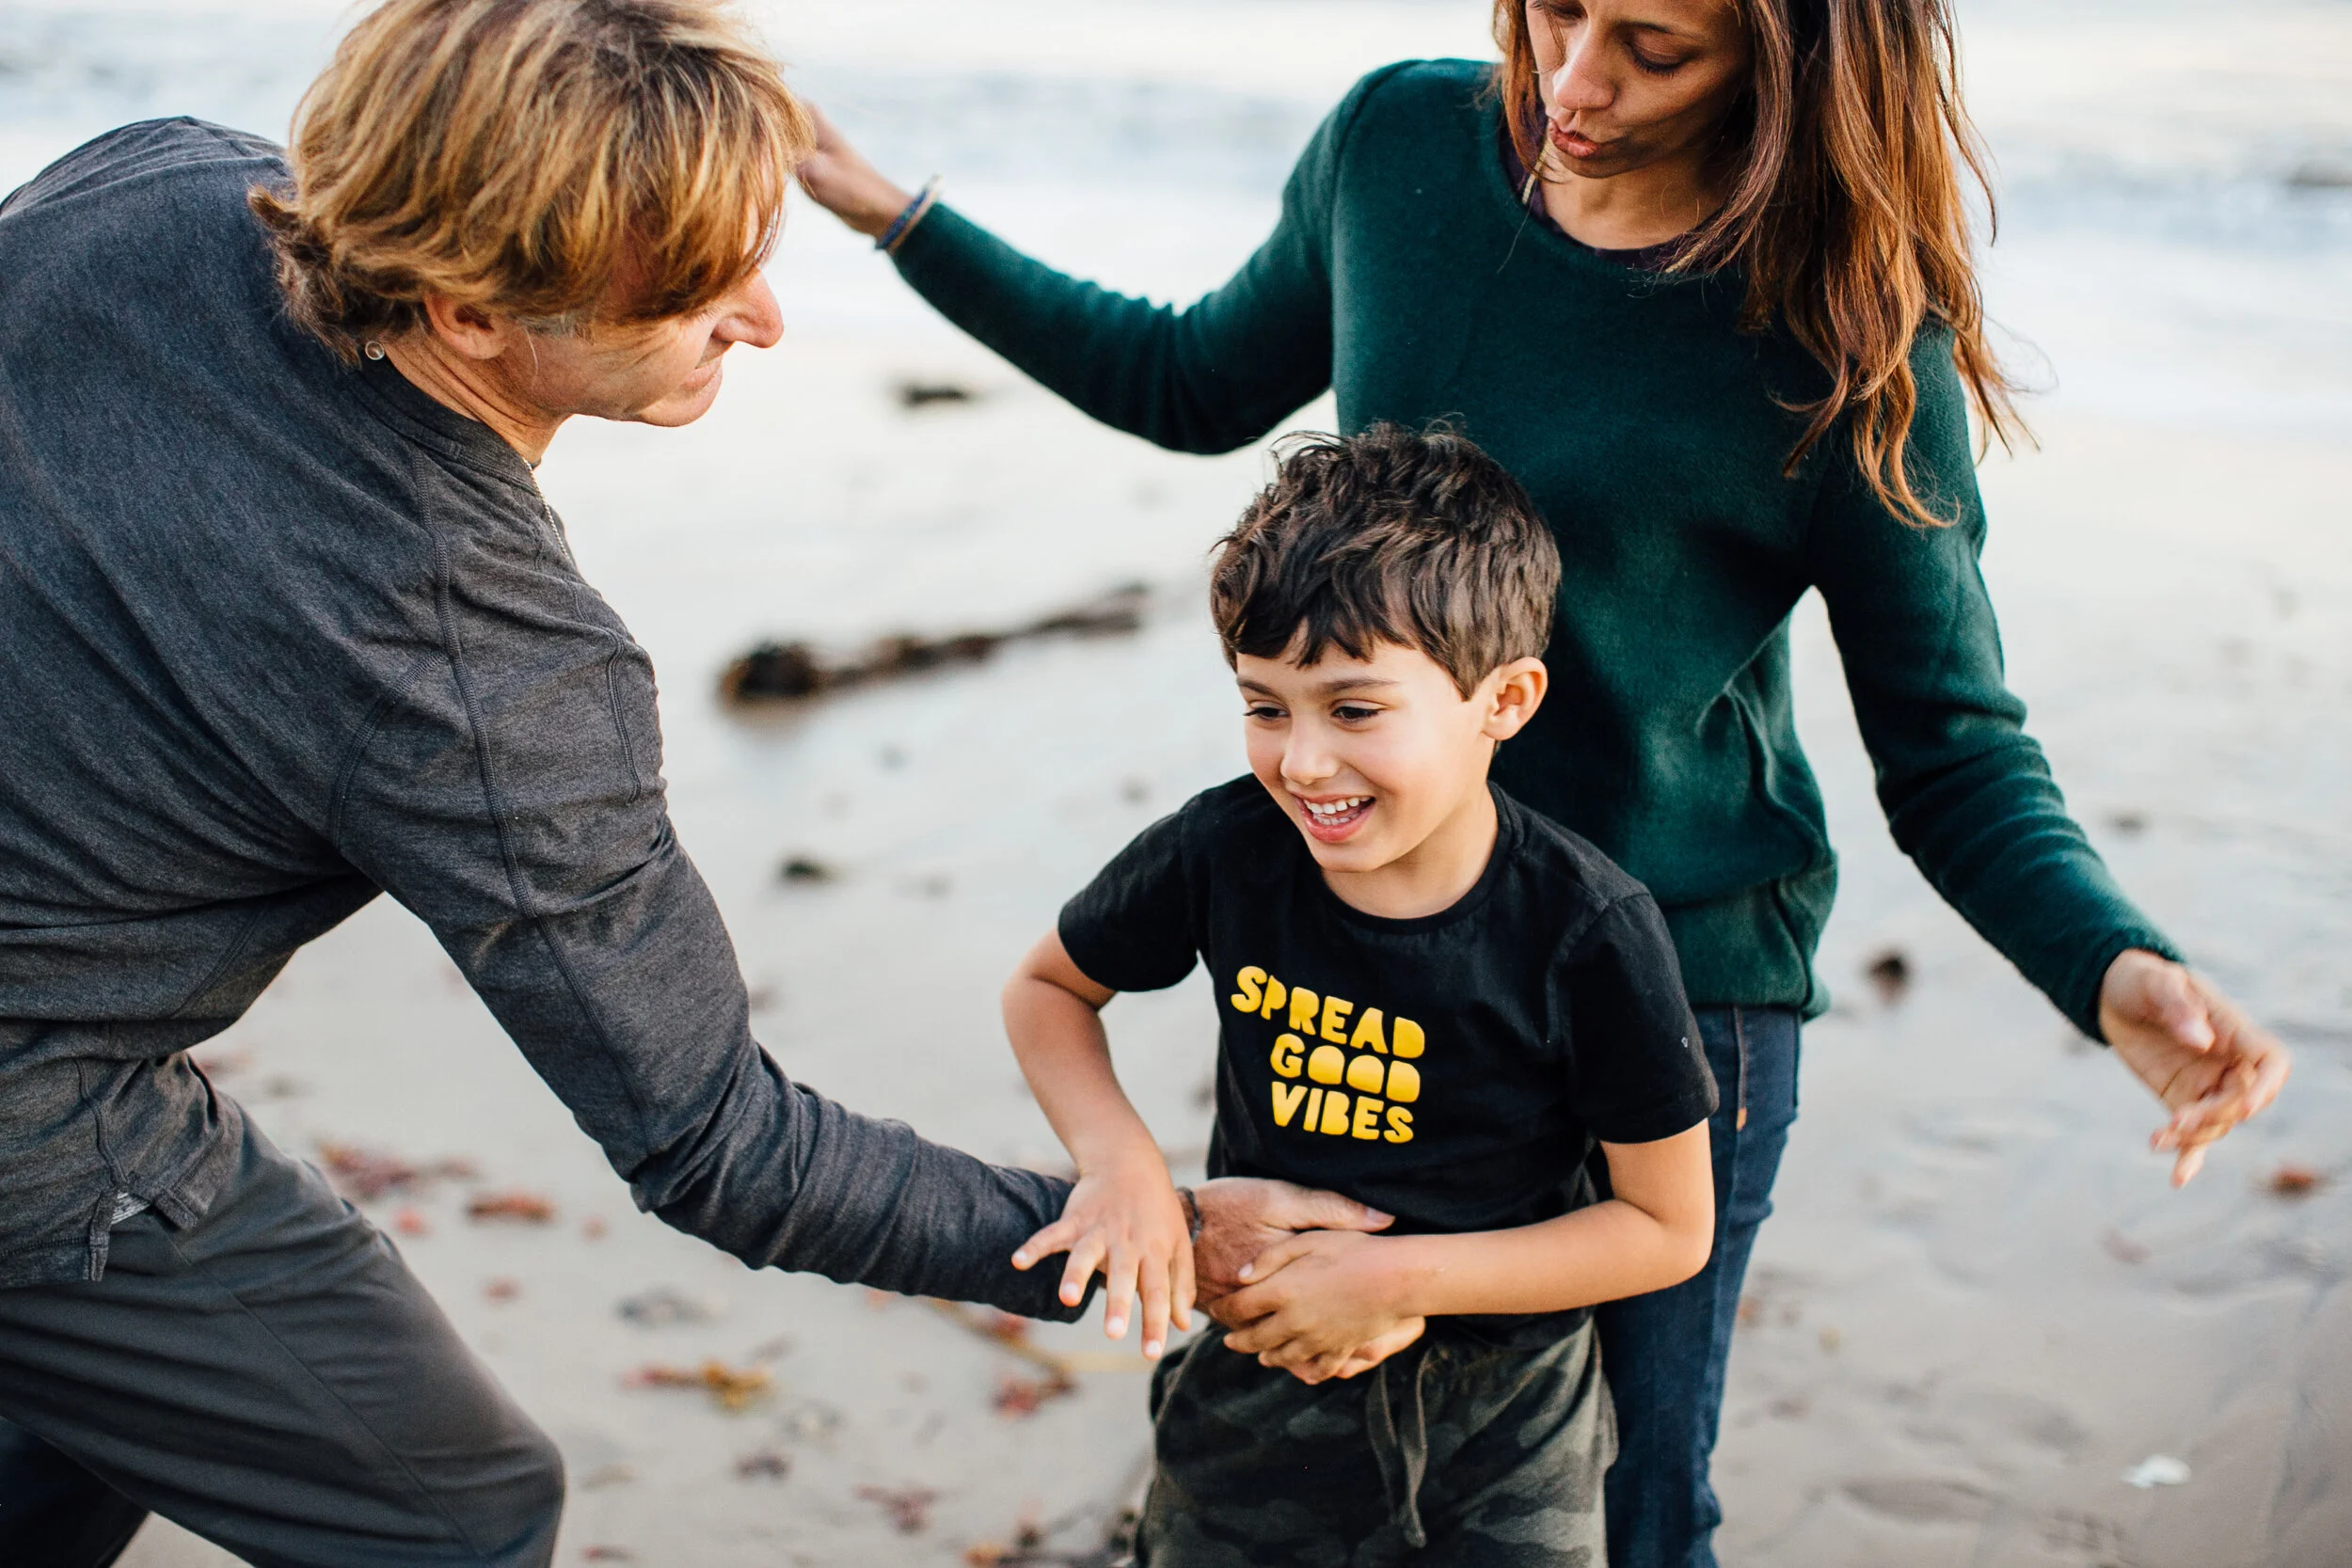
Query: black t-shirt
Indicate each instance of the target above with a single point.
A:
(1451, 1069)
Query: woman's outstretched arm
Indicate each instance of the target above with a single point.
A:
(1970, 798)
(1212, 376)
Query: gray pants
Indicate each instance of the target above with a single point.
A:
(274, 1379)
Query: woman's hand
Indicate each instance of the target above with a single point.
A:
(1127, 1220)
(838, 178)
(2189, 1043)
(1324, 1304)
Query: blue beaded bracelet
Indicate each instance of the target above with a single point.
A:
(901, 225)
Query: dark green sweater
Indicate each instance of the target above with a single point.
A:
(1406, 273)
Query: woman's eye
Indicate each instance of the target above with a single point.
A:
(1656, 66)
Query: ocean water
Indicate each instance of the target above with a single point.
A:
(2174, 182)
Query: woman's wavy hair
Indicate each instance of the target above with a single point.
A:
(559, 162)
(1846, 213)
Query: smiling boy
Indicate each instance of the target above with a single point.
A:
(1430, 999)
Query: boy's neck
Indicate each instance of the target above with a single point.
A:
(1434, 874)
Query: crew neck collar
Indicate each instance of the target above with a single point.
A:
(454, 435)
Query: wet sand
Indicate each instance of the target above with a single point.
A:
(1980, 1303)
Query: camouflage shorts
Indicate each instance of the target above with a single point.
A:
(1458, 1451)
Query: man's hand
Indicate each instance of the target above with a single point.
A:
(1241, 1216)
(2207, 1061)
(1319, 1304)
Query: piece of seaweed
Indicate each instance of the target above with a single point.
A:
(796, 672)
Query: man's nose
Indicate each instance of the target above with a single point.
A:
(753, 316)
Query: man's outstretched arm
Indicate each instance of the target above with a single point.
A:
(510, 797)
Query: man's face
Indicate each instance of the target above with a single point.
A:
(1368, 756)
(662, 373)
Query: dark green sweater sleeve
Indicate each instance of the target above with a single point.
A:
(1210, 377)
(1967, 793)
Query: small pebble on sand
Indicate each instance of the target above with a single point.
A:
(2295, 1181)
(1890, 972)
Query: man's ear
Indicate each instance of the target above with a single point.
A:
(1516, 691)
(470, 330)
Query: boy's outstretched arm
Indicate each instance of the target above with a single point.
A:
(1320, 1295)
(1123, 1216)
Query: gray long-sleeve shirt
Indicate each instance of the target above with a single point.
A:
(278, 633)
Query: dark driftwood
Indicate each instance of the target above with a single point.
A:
(795, 672)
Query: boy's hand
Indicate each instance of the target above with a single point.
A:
(1127, 1220)
(1324, 1304)
(1366, 1356)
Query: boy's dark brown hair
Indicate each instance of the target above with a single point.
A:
(1418, 539)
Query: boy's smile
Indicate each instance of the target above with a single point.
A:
(1382, 764)
(1331, 821)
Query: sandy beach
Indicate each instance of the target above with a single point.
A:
(1979, 1305)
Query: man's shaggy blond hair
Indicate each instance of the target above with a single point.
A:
(557, 162)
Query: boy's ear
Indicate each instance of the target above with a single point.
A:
(1514, 692)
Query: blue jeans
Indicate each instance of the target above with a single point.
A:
(1664, 1354)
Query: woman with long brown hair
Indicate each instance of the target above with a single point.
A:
(1699, 272)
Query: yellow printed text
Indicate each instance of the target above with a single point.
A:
(1286, 1049)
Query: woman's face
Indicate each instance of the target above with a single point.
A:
(1627, 84)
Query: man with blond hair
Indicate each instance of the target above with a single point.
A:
(287, 623)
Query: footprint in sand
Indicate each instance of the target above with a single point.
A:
(1922, 1500)
(1972, 1133)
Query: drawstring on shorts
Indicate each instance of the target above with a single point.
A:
(1396, 1421)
